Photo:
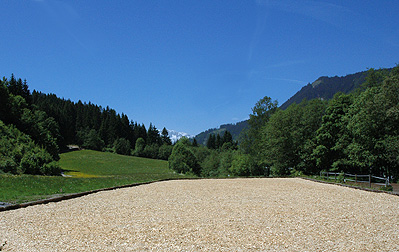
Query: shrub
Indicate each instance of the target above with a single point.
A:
(51, 169)
(151, 151)
(210, 166)
(122, 146)
(165, 151)
(33, 161)
(7, 164)
(242, 165)
(139, 147)
(182, 159)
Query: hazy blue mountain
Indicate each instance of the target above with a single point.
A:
(234, 129)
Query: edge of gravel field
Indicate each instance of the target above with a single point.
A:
(80, 194)
(77, 195)
(351, 186)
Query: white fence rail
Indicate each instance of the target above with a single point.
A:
(357, 178)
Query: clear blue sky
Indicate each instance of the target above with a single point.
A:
(191, 65)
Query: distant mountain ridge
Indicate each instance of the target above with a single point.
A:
(322, 88)
(325, 88)
(234, 129)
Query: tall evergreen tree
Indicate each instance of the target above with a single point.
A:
(211, 143)
(165, 137)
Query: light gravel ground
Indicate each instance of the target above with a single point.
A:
(210, 215)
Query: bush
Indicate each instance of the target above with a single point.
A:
(279, 170)
(296, 173)
(90, 139)
(139, 147)
(165, 151)
(242, 165)
(7, 164)
(210, 166)
(182, 159)
(34, 160)
(51, 169)
(226, 160)
(151, 151)
(122, 146)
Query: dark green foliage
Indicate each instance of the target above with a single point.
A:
(151, 151)
(165, 137)
(195, 144)
(182, 159)
(90, 139)
(34, 160)
(139, 147)
(211, 143)
(217, 142)
(373, 121)
(165, 151)
(280, 143)
(153, 136)
(234, 129)
(29, 137)
(44, 130)
(251, 139)
(356, 133)
(51, 123)
(97, 128)
(243, 165)
(332, 137)
(74, 117)
(20, 154)
(261, 114)
(122, 146)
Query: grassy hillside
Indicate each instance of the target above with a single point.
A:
(88, 163)
(89, 170)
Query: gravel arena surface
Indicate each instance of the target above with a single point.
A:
(210, 215)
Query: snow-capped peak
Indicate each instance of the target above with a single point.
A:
(175, 135)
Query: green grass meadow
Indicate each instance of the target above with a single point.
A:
(88, 170)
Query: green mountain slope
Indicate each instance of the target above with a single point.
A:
(322, 88)
(325, 88)
(234, 129)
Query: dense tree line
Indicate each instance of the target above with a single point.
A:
(354, 133)
(215, 141)
(28, 136)
(92, 127)
(39, 126)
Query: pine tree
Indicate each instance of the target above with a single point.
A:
(165, 137)
(211, 143)
(195, 144)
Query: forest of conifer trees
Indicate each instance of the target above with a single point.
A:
(36, 127)
(355, 133)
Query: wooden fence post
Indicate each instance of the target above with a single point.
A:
(370, 180)
(355, 178)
